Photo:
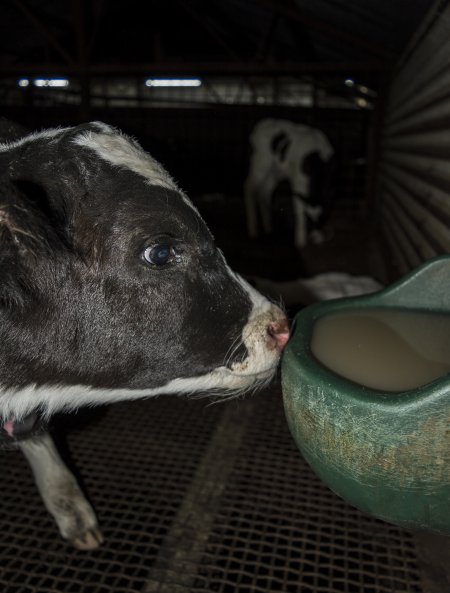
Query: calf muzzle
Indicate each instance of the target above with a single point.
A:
(278, 334)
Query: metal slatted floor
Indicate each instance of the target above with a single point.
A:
(194, 497)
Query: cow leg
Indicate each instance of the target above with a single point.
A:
(258, 192)
(264, 197)
(300, 237)
(61, 494)
(314, 213)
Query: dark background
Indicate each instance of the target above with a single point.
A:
(259, 58)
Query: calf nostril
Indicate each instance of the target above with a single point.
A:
(278, 332)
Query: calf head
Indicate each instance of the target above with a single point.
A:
(111, 286)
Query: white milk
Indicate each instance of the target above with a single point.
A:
(384, 349)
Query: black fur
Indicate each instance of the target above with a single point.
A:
(78, 303)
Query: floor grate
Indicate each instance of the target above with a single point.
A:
(193, 498)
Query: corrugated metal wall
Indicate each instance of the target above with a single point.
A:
(414, 172)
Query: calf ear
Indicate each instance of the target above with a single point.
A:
(31, 238)
(47, 216)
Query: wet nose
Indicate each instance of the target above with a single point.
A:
(278, 333)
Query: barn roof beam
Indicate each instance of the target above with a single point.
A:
(267, 38)
(44, 31)
(175, 68)
(79, 23)
(98, 15)
(294, 13)
(209, 27)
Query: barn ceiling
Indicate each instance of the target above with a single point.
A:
(101, 37)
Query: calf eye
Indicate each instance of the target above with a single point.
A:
(160, 254)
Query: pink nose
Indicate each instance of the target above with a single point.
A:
(278, 333)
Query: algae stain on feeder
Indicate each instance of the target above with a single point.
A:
(384, 448)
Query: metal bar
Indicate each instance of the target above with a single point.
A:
(209, 27)
(409, 255)
(80, 31)
(374, 148)
(425, 167)
(418, 242)
(427, 59)
(427, 233)
(82, 56)
(99, 7)
(44, 31)
(218, 68)
(429, 196)
(360, 11)
(213, 93)
(415, 165)
(184, 545)
(430, 58)
(428, 144)
(435, 92)
(267, 38)
(434, 117)
(419, 34)
(400, 260)
(428, 75)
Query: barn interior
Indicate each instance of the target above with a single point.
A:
(197, 496)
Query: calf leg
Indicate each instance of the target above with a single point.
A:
(258, 199)
(300, 238)
(264, 196)
(61, 494)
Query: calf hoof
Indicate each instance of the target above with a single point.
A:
(88, 540)
(74, 515)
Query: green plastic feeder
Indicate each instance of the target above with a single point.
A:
(387, 453)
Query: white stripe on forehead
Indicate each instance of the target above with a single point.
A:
(121, 151)
(44, 135)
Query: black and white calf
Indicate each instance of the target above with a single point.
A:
(111, 288)
(285, 151)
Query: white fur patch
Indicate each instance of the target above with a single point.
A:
(44, 135)
(121, 151)
(51, 399)
(254, 371)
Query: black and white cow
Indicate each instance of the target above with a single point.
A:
(111, 288)
(284, 151)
